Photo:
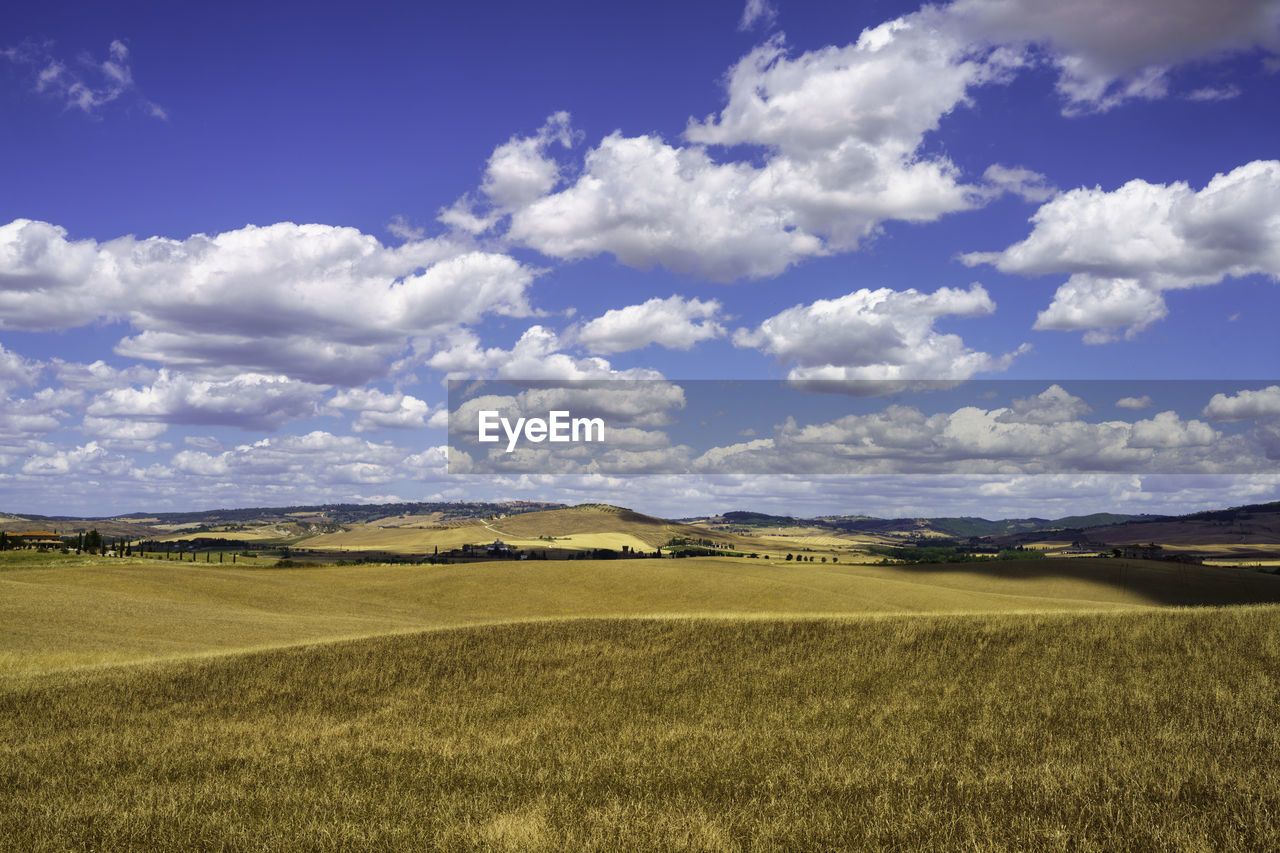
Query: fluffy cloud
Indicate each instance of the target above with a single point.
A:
(16, 371)
(876, 334)
(841, 128)
(47, 281)
(871, 101)
(84, 460)
(518, 172)
(632, 442)
(1108, 51)
(893, 495)
(1039, 434)
(674, 323)
(122, 431)
(903, 439)
(650, 203)
(1024, 183)
(643, 403)
(318, 457)
(1143, 402)
(88, 84)
(1167, 430)
(248, 401)
(30, 417)
(841, 131)
(378, 410)
(1122, 249)
(99, 376)
(534, 356)
(320, 303)
(757, 12)
(1051, 406)
(1246, 405)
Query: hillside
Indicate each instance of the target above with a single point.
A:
(1240, 529)
(143, 524)
(72, 611)
(958, 527)
(573, 529)
(420, 530)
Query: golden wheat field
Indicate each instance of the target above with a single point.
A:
(73, 611)
(696, 704)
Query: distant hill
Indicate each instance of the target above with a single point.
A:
(589, 519)
(65, 526)
(1255, 524)
(961, 527)
(758, 519)
(982, 527)
(426, 526)
(325, 513)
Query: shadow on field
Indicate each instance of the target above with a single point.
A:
(1162, 582)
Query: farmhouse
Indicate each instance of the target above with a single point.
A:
(499, 547)
(38, 539)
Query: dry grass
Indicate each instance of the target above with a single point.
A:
(1152, 730)
(76, 611)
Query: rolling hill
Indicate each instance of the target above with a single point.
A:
(60, 612)
(1245, 526)
(420, 530)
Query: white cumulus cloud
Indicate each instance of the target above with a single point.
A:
(535, 355)
(840, 129)
(16, 371)
(1051, 406)
(674, 323)
(1245, 405)
(1123, 249)
(320, 303)
(876, 334)
(378, 410)
(1109, 51)
(248, 401)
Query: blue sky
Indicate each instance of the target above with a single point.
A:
(241, 249)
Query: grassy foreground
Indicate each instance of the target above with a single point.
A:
(1139, 730)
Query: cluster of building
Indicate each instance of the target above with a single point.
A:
(34, 540)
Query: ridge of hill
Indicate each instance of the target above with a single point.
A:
(436, 527)
(326, 513)
(1253, 524)
(585, 527)
(955, 526)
